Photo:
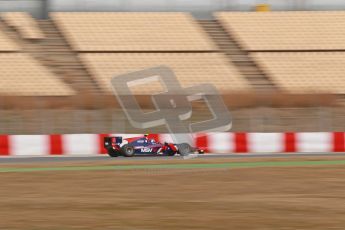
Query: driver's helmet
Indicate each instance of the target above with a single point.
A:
(146, 135)
(166, 143)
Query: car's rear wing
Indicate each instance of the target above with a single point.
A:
(108, 141)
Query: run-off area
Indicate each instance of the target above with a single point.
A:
(282, 195)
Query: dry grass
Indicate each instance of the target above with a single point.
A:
(253, 198)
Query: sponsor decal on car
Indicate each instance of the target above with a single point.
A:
(146, 150)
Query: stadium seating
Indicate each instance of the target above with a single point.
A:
(132, 32)
(305, 72)
(23, 76)
(286, 30)
(190, 69)
(24, 23)
(6, 44)
(115, 43)
(87, 49)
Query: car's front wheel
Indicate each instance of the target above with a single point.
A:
(128, 151)
(184, 149)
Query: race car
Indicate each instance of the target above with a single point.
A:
(118, 146)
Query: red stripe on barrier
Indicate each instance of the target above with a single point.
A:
(290, 142)
(338, 142)
(201, 142)
(4, 145)
(101, 149)
(241, 143)
(55, 144)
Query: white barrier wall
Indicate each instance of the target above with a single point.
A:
(314, 142)
(92, 144)
(35, 145)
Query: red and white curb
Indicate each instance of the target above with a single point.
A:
(92, 144)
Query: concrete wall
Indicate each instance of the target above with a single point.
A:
(199, 8)
(36, 7)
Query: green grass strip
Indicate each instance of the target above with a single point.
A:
(176, 166)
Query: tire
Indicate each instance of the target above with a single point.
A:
(184, 149)
(112, 153)
(128, 151)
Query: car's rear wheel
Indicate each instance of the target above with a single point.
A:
(112, 152)
(128, 151)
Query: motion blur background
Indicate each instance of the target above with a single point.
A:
(279, 65)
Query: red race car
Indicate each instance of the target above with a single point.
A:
(117, 146)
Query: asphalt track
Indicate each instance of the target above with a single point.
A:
(48, 159)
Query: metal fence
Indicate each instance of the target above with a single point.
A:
(262, 119)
